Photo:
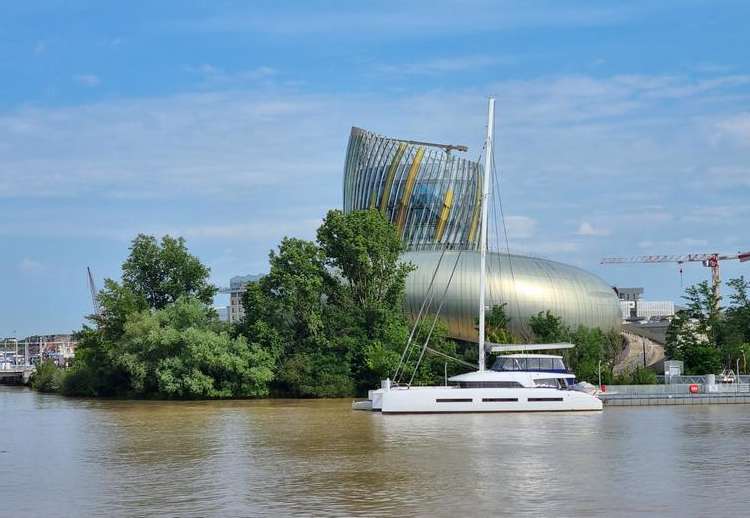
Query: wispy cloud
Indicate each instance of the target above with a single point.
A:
(736, 127)
(29, 265)
(587, 229)
(577, 146)
(445, 65)
(215, 77)
(88, 80)
(409, 19)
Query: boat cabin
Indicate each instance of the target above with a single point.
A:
(520, 370)
(529, 363)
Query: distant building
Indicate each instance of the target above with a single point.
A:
(635, 308)
(628, 308)
(223, 312)
(237, 287)
(648, 309)
(629, 294)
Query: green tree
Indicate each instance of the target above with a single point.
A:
(697, 335)
(364, 249)
(162, 272)
(181, 351)
(47, 377)
(157, 336)
(548, 328)
(331, 311)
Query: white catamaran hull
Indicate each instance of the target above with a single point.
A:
(451, 399)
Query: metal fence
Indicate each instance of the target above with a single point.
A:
(677, 388)
(676, 380)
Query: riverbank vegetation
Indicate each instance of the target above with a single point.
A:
(327, 320)
(707, 337)
(156, 334)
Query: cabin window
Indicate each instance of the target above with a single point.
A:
(499, 399)
(532, 364)
(539, 399)
(559, 365)
(546, 382)
(454, 400)
(546, 364)
(490, 384)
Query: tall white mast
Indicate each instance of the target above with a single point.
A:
(483, 232)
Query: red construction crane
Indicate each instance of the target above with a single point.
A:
(708, 260)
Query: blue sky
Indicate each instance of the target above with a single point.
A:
(623, 128)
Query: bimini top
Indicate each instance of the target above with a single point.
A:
(431, 195)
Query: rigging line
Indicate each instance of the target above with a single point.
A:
(448, 356)
(411, 347)
(419, 315)
(434, 321)
(496, 177)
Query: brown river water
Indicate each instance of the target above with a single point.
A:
(73, 457)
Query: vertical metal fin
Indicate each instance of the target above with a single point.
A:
(391, 174)
(411, 178)
(444, 213)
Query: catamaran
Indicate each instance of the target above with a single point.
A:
(524, 381)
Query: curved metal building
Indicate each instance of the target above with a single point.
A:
(527, 285)
(431, 196)
(433, 199)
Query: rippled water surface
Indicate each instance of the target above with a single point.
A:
(67, 457)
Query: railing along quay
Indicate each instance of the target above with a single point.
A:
(676, 394)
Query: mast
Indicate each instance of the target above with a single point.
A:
(483, 232)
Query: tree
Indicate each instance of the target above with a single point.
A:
(548, 328)
(162, 272)
(331, 311)
(181, 351)
(697, 334)
(47, 377)
(157, 336)
(364, 249)
(688, 341)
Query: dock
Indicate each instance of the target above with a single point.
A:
(16, 374)
(682, 394)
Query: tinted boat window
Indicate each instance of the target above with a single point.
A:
(546, 364)
(532, 364)
(559, 365)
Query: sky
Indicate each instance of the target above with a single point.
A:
(623, 129)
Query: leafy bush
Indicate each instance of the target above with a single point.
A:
(47, 377)
(637, 376)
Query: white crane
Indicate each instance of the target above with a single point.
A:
(708, 260)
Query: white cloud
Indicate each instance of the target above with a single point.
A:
(685, 245)
(255, 230)
(89, 80)
(520, 227)
(217, 78)
(407, 19)
(28, 265)
(446, 65)
(736, 127)
(568, 147)
(587, 229)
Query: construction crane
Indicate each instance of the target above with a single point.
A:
(709, 260)
(94, 293)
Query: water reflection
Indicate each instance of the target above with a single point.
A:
(63, 457)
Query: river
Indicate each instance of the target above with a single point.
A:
(82, 457)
